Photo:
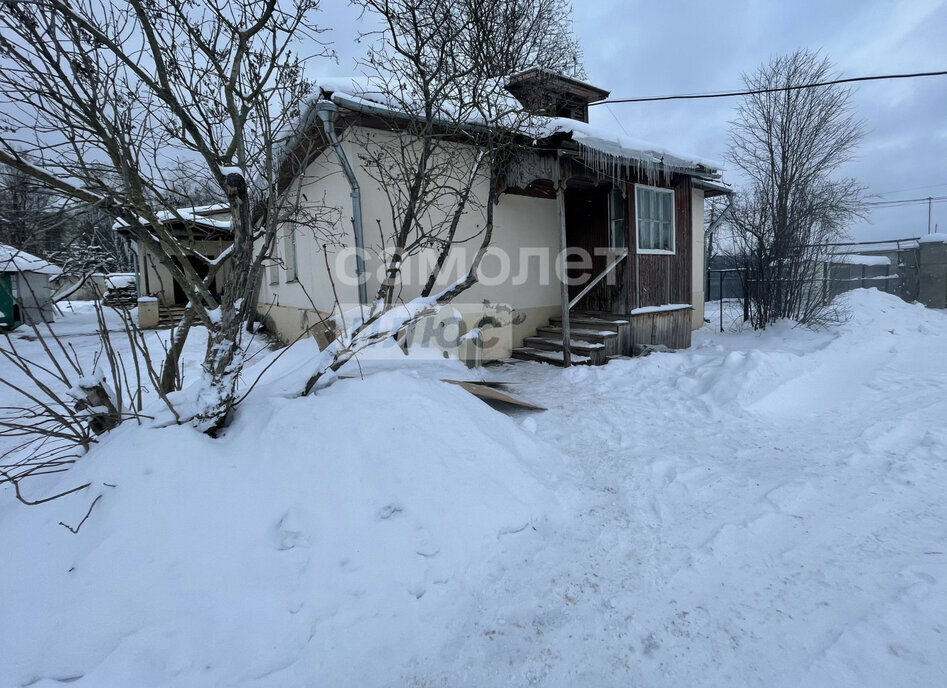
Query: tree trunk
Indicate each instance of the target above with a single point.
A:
(221, 364)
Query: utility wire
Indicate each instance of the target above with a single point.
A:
(777, 89)
(908, 201)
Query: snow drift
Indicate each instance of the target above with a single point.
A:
(764, 509)
(318, 531)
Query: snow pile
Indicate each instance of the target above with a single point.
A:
(322, 539)
(14, 260)
(764, 509)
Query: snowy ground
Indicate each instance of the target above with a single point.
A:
(760, 510)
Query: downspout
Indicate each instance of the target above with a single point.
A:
(560, 186)
(328, 112)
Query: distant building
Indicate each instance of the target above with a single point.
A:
(25, 292)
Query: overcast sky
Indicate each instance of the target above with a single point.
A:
(644, 48)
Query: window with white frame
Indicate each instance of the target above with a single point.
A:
(654, 211)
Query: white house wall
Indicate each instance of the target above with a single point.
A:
(698, 278)
(523, 226)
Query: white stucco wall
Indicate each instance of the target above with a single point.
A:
(522, 226)
(698, 278)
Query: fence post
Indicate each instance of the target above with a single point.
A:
(746, 298)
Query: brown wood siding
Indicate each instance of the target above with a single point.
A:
(656, 280)
(670, 328)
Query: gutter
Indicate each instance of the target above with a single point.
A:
(328, 112)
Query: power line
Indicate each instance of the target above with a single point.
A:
(778, 89)
(907, 201)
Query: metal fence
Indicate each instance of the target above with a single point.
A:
(914, 269)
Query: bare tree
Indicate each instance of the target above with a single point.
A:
(441, 67)
(788, 141)
(32, 218)
(104, 102)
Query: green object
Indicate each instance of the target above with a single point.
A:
(7, 310)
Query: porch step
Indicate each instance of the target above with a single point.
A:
(169, 316)
(586, 321)
(594, 351)
(589, 322)
(601, 315)
(608, 338)
(526, 353)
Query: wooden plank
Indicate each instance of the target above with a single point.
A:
(485, 383)
(488, 393)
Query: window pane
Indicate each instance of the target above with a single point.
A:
(617, 205)
(617, 217)
(655, 218)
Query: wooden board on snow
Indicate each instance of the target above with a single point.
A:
(488, 392)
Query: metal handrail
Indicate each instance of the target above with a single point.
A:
(611, 266)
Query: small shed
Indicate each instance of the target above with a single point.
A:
(204, 230)
(25, 292)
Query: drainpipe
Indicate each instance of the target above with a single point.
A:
(328, 112)
(560, 186)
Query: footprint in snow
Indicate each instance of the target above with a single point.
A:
(292, 530)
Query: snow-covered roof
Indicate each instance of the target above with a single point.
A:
(936, 238)
(605, 150)
(357, 87)
(15, 260)
(371, 95)
(120, 280)
(856, 259)
(712, 187)
(199, 215)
